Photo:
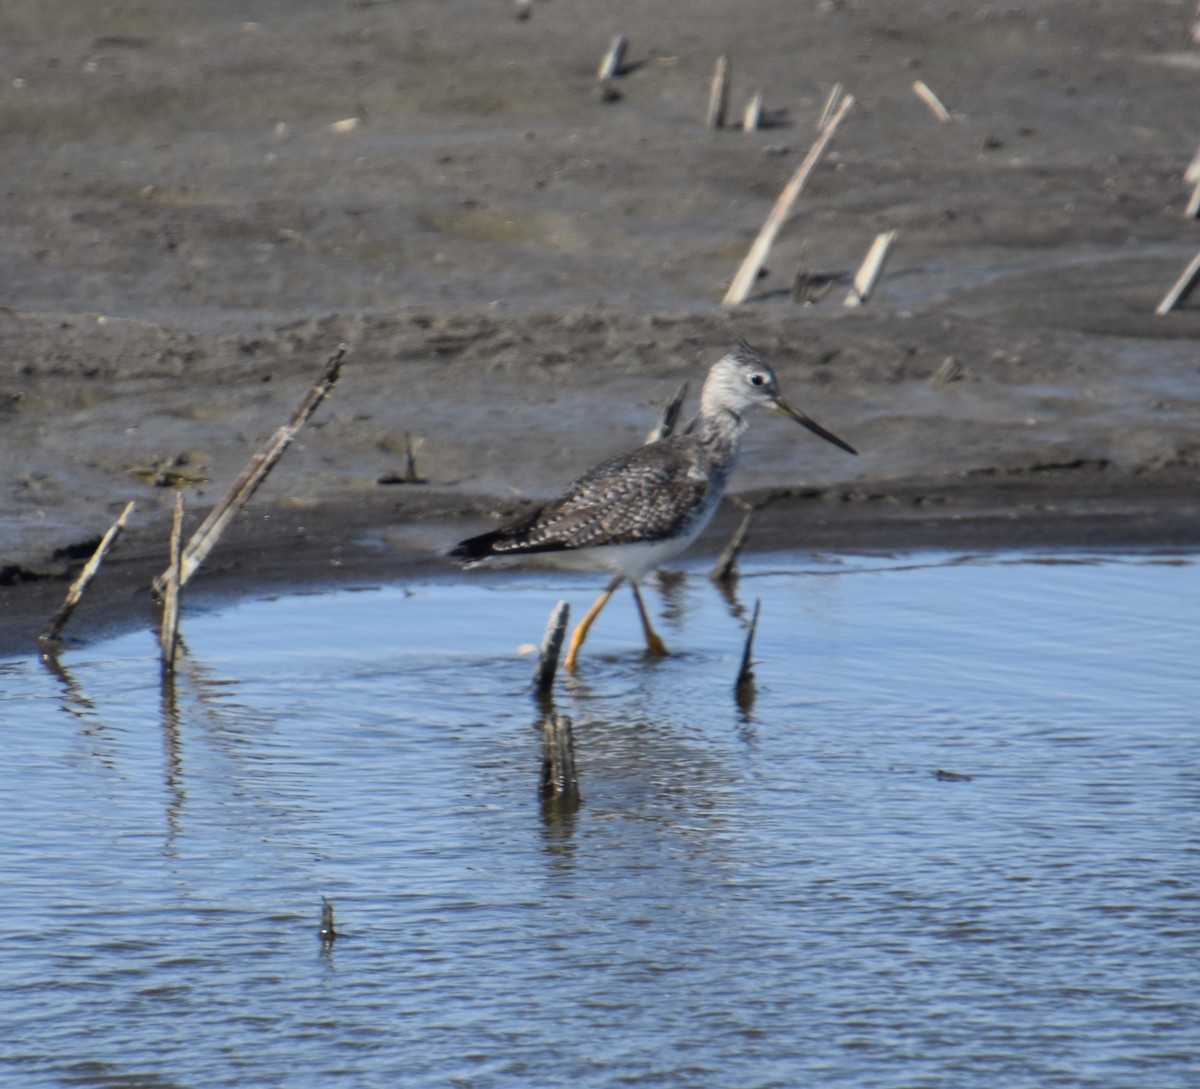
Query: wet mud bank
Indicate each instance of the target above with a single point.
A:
(202, 205)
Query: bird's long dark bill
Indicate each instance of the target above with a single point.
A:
(789, 409)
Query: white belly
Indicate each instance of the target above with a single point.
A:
(634, 561)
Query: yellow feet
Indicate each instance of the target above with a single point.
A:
(570, 662)
(654, 645)
(581, 632)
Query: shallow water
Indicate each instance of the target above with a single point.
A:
(777, 894)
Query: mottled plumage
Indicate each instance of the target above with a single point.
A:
(655, 493)
(634, 511)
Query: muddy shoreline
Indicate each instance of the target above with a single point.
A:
(359, 543)
(203, 204)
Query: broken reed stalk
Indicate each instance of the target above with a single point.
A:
(951, 370)
(255, 472)
(58, 621)
(725, 568)
(718, 94)
(169, 640)
(1193, 207)
(752, 118)
(831, 104)
(931, 100)
(1182, 289)
(552, 641)
(753, 262)
(808, 288)
(614, 60)
(560, 780)
(745, 677)
(872, 266)
(328, 930)
(1192, 174)
(669, 416)
(411, 476)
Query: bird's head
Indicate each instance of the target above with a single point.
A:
(744, 379)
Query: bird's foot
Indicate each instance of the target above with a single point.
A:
(655, 647)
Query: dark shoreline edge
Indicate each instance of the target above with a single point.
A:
(273, 550)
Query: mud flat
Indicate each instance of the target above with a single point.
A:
(200, 207)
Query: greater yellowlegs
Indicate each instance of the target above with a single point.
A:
(635, 511)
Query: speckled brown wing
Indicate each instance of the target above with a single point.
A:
(651, 493)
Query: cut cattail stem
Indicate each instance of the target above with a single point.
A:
(66, 610)
(255, 472)
(726, 566)
(1192, 174)
(872, 266)
(1193, 207)
(831, 104)
(552, 641)
(951, 370)
(669, 416)
(328, 929)
(739, 288)
(744, 687)
(752, 118)
(169, 640)
(1183, 287)
(614, 60)
(718, 94)
(931, 100)
(560, 781)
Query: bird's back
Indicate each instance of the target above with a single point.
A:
(663, 491)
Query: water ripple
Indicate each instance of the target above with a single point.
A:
(775, 894)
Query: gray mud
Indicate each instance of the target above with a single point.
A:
(525, 270)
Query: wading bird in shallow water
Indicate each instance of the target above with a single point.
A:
(635, 511)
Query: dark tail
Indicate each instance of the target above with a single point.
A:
(476, 548)
(509, 540)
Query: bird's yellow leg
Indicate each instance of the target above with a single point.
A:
(581, 632)
(653, 643)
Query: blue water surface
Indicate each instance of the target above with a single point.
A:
(774, 891)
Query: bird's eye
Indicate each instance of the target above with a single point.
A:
(757, 380)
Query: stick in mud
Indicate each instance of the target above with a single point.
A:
(669, 417)
(931, 100)
(169, 640)
(1192, 174)
(718, 94)
(255, 472)
(1193, 205)
(831, 104)
(752, 118)
(328, 931)
(809, 288)
(411, 476)
(560, 780)
(58, 621)
(951, 370)
(872, 266)
(744, 687)
(552, 641)
(753, 262)
(1182, 289)
(614, 60)
(725, 569)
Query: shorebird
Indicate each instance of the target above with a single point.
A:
(637, 510)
